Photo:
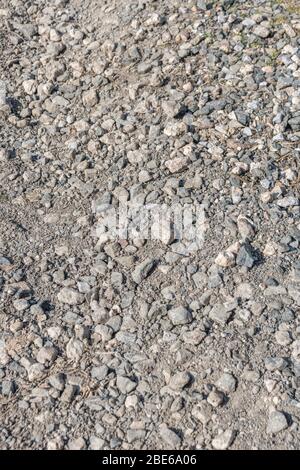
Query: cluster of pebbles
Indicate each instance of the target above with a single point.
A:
(132, 343)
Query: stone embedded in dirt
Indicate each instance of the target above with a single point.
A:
(29, 87)
(245, 290)
(179, 381)
(46, 355)
(70, 296)
(288, 201)
(5, 264)
(96, 443)
(246, 227)
(169, 436)
(261, 31)
(180, 316)
(113, 116)
(246, 256)
(220, 314)
(143, 270)
(99, 373)
(163, 230)
(134, 435)
(215, 398)
(21, 305)
(225, 259)
(8, 387)
(224, 440)
(74, 349)
(177, 164)
(227, 383)
(277, 422)
(171, 108)
(283, 338)
(90, 98)
(202, 412)
(77, 444)
(275, 363)
(57, 381)
(125, 385)
(194, 337)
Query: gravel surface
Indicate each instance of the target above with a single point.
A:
(135, 343)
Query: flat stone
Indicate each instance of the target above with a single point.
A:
(5, 264)
(96, 443)
(21, 304)
(134, 435)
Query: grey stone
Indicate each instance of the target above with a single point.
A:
(224, 440)
(46, 355)
(246, 256)
(8, 387)
(261, 31)
(220, 314)
(143, 270)
(275, 363)
(215, 398)
(180, 316)
(134, 435)
(100, 372)
(70, 296)
(169, 436)
(179, 381)
(227, 383)
(126, 385)
(277, 422)
(77, 444)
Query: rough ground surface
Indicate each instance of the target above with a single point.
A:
(203, 349)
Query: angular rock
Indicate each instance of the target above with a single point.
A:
(143, 270)
(70, 296)
(224, 440)
(180, 316)
(227, 383)
(179, 381)
(126, 385)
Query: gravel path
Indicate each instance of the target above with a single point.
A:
(128, 341)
